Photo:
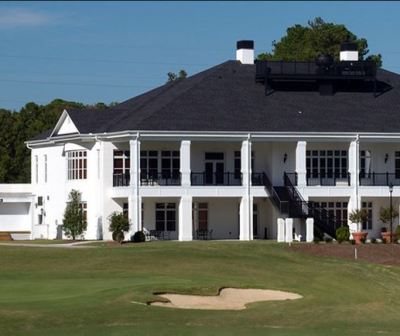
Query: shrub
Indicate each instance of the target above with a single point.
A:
(373, 241)
(118, 225)
(363, 240)
(353, 242)
(139, 237)
(328, 240)
(316, 240)
(318, 233)
(342, 234)
(397, 232)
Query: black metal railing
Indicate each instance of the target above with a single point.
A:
(323, 220)
(326, 179)
(311, 70)
(160, 179)
(121, 180)
(292, 177)
(263, 179)
(216, 178)
(379, 179)
(258, 179)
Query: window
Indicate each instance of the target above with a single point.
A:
(165, 216)
(326, 163)
(170, 164)
(367, 224)
(255, 220)
(40, 219)
(238, 163)
(77, 165)
(149, 164)
(203, 216)
(40, 200)
(45, 168)
(36, 169)
(365, 164)
(121, 162)
(336, 209)
(397, 165)
(83, 208)
(125, 210)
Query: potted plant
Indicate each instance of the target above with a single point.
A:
(119, 224)
(357, 217)
(385, 216)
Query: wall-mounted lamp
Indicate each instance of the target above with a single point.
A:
(284, 158)
(386, 157)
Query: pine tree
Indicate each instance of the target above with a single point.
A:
(73, 223)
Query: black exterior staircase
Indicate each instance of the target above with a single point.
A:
(289, 202)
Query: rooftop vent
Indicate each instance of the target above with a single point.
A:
(245, 51)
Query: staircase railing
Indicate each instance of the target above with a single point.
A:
(322, 219)
(283, 206)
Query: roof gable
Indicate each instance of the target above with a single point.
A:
(65, 125)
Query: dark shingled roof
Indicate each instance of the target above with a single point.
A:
(226, 98)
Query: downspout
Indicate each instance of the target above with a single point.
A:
(250, 205)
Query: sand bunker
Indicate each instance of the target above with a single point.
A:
(228, 299)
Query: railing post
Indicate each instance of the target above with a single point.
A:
(373, 178)
(387, 178)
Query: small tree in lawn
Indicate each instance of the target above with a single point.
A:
(73, 223)
(385, 217)
(119, 224)
(358, 216)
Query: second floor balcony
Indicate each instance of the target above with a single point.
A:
(149, 179)
(339, 178)
(216, 178)
(379, 179)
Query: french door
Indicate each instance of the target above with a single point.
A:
(214, 168)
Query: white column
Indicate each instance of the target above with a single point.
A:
(134, 199)
(246, 218)
(301, 169)
(280, 222)
(185, 219)
(309, 230)
(354, 170)
(245, 157)
(185, 162)
(289, 230)
(246, 203)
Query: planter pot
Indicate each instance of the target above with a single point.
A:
(388, 236)
(359, 236)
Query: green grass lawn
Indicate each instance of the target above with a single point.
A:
(48, 291)
(38, 241)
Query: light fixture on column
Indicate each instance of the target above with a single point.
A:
(386, 157)
(284, 158)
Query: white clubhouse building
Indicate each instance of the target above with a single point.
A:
(225, 154)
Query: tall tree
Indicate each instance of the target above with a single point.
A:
(305, 43)
(172, 76)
